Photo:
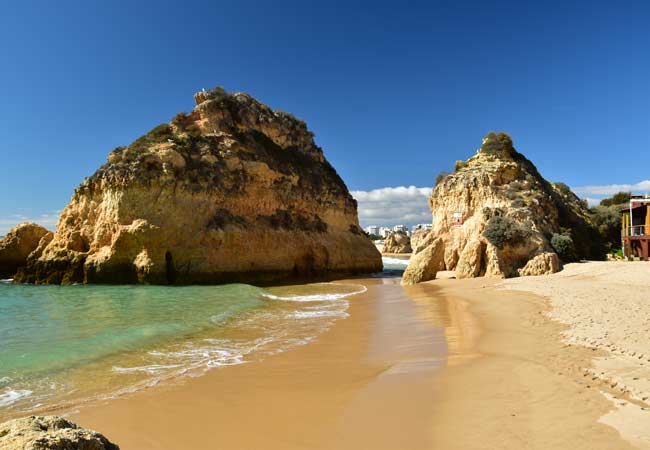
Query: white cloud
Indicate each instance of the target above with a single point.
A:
(641, 187)
(47, 220)
(393, 205)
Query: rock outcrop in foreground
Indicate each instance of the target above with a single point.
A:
(50, 433)
(232, 192)
(18, 244)
(496, 216)
(397, 243)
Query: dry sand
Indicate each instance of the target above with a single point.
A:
(450, 364)
(606, 307)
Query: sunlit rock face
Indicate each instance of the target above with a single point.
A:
(495, 213)
(232, 192)
(18, 244)
(397, 243)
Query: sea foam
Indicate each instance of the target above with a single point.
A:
(11, 396)
(324, 297)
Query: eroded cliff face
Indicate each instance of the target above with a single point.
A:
(496, 213)
(233, 191)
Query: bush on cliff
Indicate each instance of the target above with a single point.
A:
(497, 143)
(459, 165)
(563, 246)
(157, 135)
(501, 231)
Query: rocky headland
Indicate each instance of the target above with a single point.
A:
(496, 216)
(232, 192)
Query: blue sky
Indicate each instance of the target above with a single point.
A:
(394, 91)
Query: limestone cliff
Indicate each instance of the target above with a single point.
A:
(18, 244)
(397, 243)
(496, 213)
(233, 191)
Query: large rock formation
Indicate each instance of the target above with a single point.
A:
(16, 246)
(233, 192)
(425, 264)
(50, 433)
(496, 216)
(397, 243)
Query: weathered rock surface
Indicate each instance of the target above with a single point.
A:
(233, 192)
(16, 246)
(543, 264)
(424, 265)
(421, 239)
(471, 260)
(50, 433)
(397, 243)
(496, 213)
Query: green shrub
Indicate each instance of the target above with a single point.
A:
(497, 143)
(157, 135)
(617, 199)
(607, 220)
(563, 246)
(460, 164)
(501, 231)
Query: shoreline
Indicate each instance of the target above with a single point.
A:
(453, 364)
(331, 393)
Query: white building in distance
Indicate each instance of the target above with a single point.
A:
(421, 226)
(384, 232)
(373, 229)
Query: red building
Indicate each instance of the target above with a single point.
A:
(635, 228)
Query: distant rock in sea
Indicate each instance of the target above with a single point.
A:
(50, 433)
(18, 244)
(496, 216)
(397, 243)
(232, 192)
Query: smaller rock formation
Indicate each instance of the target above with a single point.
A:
(498, 217)
(543, 264)
(17, 245)
(425, 264)
(50, 433)
(397, 243)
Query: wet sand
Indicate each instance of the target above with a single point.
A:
(447, 365)
(520, 386)
(365, 383)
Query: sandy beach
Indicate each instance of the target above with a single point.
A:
(453, 364)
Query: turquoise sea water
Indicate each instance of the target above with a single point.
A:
(395, 264)
(60, 344)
